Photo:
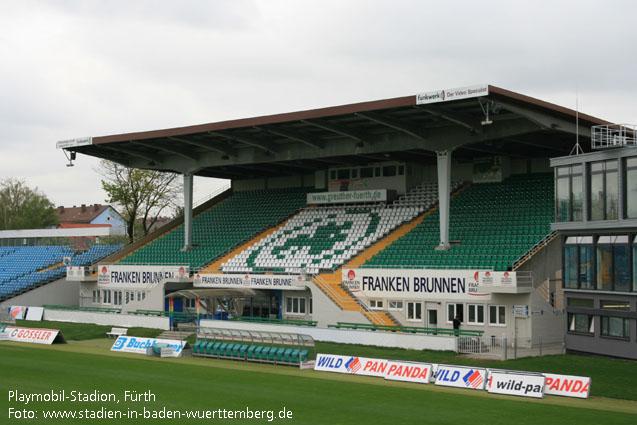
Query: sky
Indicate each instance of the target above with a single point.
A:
(71, 69)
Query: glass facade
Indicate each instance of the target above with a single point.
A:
(569, 193)
(605, 263)
(630, 183)
(615, 327)
(586, 267)
(604, 192)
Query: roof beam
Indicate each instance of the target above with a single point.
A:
(352, 134)
(454, 117)
(135, 153)
(548, 121)
(264, 146)
(183, 153)
(298, 137)
(392, 123)
(205, 145)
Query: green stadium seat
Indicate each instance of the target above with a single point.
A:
(213, 348)
(196, 346)
(287, 354)
(221, 349)
(250, 353)
(265, 353)
(303, 355)
(278, 355)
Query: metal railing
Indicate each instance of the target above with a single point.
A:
(534, 249)
(208, 197)
(510, 348)
(613, 136)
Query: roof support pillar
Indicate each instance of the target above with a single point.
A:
(444, 187)
(188, 181)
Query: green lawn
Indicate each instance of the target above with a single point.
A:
(312, 397)
(610, 377)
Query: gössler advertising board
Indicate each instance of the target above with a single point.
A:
(523, 385)
(461, 377)
(567, 385)
(351, 364)
(33, 335)
(138, 345)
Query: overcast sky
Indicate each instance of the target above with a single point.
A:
(91, 68)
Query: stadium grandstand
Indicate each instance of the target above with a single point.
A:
(30, 259)
(404, 212)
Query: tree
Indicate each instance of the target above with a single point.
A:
(24, 208)
(141, 195)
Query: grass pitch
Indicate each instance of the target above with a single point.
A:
(311, 397)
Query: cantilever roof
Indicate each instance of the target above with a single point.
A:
(356, 134)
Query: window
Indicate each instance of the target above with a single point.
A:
(343, 174)
(377, 171)
(615, 327)
(612, 191)
(141, 296)
(389, 171)
(395, 305)
(295, 305)
(355, 173)
(569, 193)
(615, 305)
(96, 297)
(333, 175)
(117, 297)
(581, 302)
(130, 297)
(401, 170)
(635, 265)
(476, 314)
(581, 323)
(376, 304)
(106, 297)
(414, 311)
(604, 267)
(497, 315)
(563, 195)
(631, 187)
(570, 266)
(367, 172)
(311, 305)
(586, 276)
(604, 190)
(191, 302)
(613, 263)
(454, 310)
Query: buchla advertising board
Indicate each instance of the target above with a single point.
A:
(135, 276)
(434, 284)
(256, 281)
(138, 345)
